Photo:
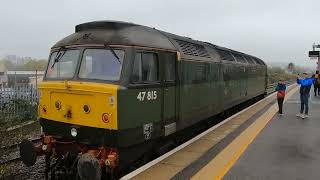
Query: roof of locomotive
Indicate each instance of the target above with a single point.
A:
(124, 33)
(116, 33)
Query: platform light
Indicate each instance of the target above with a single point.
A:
(73, 132)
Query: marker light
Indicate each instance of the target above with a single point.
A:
(44, 109)
(74, 132)
(105, 117)
(86, 108)
(111, 100)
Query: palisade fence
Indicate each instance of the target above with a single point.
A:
(18, 103)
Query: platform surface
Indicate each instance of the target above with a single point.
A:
(287, 148)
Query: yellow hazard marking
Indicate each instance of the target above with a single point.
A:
(221, 164)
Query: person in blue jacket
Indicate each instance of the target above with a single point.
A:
(305, 85)
(281, 92)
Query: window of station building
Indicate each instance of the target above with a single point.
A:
(145, 68)
(169, 68)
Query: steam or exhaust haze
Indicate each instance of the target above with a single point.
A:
(276, 31)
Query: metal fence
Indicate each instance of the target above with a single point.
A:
(18, 102)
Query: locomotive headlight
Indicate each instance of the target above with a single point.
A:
(74, 132)
(86, 108)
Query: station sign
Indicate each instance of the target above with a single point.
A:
(314, 53)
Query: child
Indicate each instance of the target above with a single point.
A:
(281, 92)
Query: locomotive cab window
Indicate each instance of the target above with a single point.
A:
(101, 64)
(145, 68)
(63, 64)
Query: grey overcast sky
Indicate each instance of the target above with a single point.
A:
(276, 31)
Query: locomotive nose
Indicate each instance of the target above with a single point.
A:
(27, 152)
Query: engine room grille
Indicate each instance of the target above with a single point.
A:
(192, 49)
(225, 55)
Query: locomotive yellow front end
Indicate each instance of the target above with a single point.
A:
(78, 112)
(79, 103)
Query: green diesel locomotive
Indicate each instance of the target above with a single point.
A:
(114, 91)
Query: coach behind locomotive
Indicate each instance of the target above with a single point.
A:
(114, 91)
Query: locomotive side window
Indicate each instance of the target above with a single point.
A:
(62, 64)
(145, 68)
(101, 64)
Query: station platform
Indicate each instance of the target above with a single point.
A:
(255, 143)
(287, 148)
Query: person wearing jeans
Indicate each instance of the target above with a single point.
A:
(305, 86)
(304, 98)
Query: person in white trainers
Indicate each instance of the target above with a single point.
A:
(305, 85)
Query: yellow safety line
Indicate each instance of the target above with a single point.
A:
(221, 164)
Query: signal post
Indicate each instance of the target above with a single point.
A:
(315, 54)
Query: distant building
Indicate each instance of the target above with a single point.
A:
(3, 76)
(24, 77)
(17, 60)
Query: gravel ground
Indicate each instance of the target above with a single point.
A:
(15, 136)
(18, 171)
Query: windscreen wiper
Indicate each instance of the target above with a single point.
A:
(113, 52)
(59, 55)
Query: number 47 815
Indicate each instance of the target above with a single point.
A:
(147, 95)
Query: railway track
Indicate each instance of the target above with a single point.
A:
(11, 152)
